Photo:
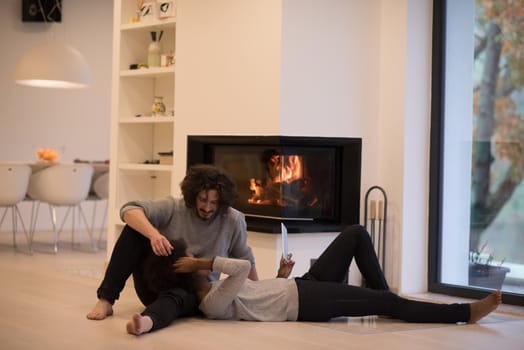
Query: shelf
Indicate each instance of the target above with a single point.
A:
(136, 139)
(152, 24)
(146, 120)
(148, 72)
(145, 167)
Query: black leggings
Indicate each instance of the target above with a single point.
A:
(333, 264)
(322, 296)
(321, 301)
(127, 258)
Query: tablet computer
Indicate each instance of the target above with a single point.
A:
(285, 250)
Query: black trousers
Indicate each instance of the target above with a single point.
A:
(323, 296)
(126, 260)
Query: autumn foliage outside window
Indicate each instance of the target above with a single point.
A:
(498, 111)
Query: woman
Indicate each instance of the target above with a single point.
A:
(319, 295)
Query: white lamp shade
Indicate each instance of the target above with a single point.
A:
(52, 65)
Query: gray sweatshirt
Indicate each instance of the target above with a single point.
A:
(224, 235)
(238, 298)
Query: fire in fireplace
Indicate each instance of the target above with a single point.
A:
(310, 183)
(286, 182)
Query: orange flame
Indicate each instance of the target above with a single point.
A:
(281, 169)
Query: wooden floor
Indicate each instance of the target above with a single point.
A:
(44, 299)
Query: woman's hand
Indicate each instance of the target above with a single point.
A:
(186, 264)
(286, 266)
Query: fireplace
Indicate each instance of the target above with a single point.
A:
(312, 184)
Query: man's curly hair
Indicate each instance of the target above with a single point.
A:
(160, 274)
(205, 177)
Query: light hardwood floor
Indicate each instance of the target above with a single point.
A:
(44, 299)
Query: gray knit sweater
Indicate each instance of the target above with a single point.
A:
(224, 235)
(238, 298)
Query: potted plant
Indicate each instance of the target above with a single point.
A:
(483, 272)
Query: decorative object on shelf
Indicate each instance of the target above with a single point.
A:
(154, 49)
(47, 155)
(483, 272)
(376, 222)
(138, 14)
(166, 158)
(147, 11)
(151, 161)
(158, 109)
(166, 60)
(166, 9)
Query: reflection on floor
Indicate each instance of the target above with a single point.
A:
(44, 299)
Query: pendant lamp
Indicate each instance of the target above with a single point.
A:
(53, 65)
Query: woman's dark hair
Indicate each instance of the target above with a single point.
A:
(205, 177)
(159, 271)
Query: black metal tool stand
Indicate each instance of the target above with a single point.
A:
(375, 222)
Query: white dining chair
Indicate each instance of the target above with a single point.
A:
(99, 192)
(14, 180)
(62, 185)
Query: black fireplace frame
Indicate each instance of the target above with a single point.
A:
(348, 154)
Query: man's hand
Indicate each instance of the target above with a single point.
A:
(286, 266)
(160, 245)
(136, 219)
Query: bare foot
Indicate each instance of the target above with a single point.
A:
(139, 324)
(484, 306)
(101, 310)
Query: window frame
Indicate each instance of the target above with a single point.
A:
(438, 85)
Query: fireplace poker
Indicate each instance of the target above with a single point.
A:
(382, 221)
(372, 215)
(381, 238)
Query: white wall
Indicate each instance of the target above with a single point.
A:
(329, 79)
(228, 69)
(416, 127)
(329, 83)
(317, 67)
(74, 122)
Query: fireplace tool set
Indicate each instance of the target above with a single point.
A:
(376, 221)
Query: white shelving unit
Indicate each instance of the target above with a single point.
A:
(136, 135)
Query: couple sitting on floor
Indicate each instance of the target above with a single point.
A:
(176, 249)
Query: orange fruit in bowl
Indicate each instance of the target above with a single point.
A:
(47, 154)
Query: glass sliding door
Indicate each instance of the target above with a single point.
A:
(477, 149)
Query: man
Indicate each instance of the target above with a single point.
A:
(204, 218)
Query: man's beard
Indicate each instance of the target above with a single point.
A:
(206, 215)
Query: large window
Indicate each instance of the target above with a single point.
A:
(477, 149)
